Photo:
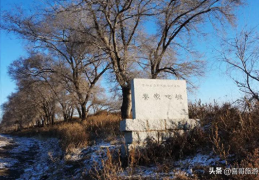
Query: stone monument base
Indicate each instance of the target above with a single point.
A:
(137, 131)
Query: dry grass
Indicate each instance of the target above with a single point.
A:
(175, 148)
(71, 135)
(103, 125)
(233, 131)
(79, 134)
(225, 130)
(112, 166)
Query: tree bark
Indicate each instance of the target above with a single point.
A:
(83, 111)
(154, 76)
(71, 114)
(52, 119)
(79, 112)
(126, 103)
(65, 116)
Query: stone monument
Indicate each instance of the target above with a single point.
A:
(158, 107)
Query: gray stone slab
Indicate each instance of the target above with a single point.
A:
(159, 99)
(140, 137)
(160, 124)
(158, 107)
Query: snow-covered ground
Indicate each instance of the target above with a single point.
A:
(52, 164)
(184, 167)
(20, 154)
(4, 141)
(6, 162)
(31, 158)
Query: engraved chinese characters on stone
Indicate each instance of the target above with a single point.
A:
(178, 97)
(145, 96)
(159, 99)
(160, 85)
(157, 96)
(168, 96)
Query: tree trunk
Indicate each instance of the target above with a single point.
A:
(83, 109)
(126, 103)
(154, 72)
(52, 120)
(39, 123)
(71, 114)
(79, 112)
(43, 121)
(154, 76)
(65, 116)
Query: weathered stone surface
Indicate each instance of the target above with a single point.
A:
(159, 99)
(162, 124)
(158, 107)
(140, 137)
(142, 125)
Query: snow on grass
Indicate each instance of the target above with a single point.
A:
(92, 156)
(98, 153)
(42, 156)
(7, 162)
(183, 167)
(95, 152)
(23, 144)
(51, 163)
(57, 167)
(199, 160)
(5, 140)
(47, 161)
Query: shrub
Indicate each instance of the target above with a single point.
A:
(174, 148)
(229, 131)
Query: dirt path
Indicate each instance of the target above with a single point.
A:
(15, 155)
(30, 158)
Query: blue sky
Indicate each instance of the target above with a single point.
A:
(216, 85)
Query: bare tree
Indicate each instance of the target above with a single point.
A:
(20, 110)
(242, 57)
(114, 27)
(177, 21)
(117, 25)
(32, 76)
(45, 99)
(55, 33)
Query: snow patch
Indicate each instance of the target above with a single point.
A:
(47, 161)
(181, 167)
(5, 140)
(7, 162)
(51, 163)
